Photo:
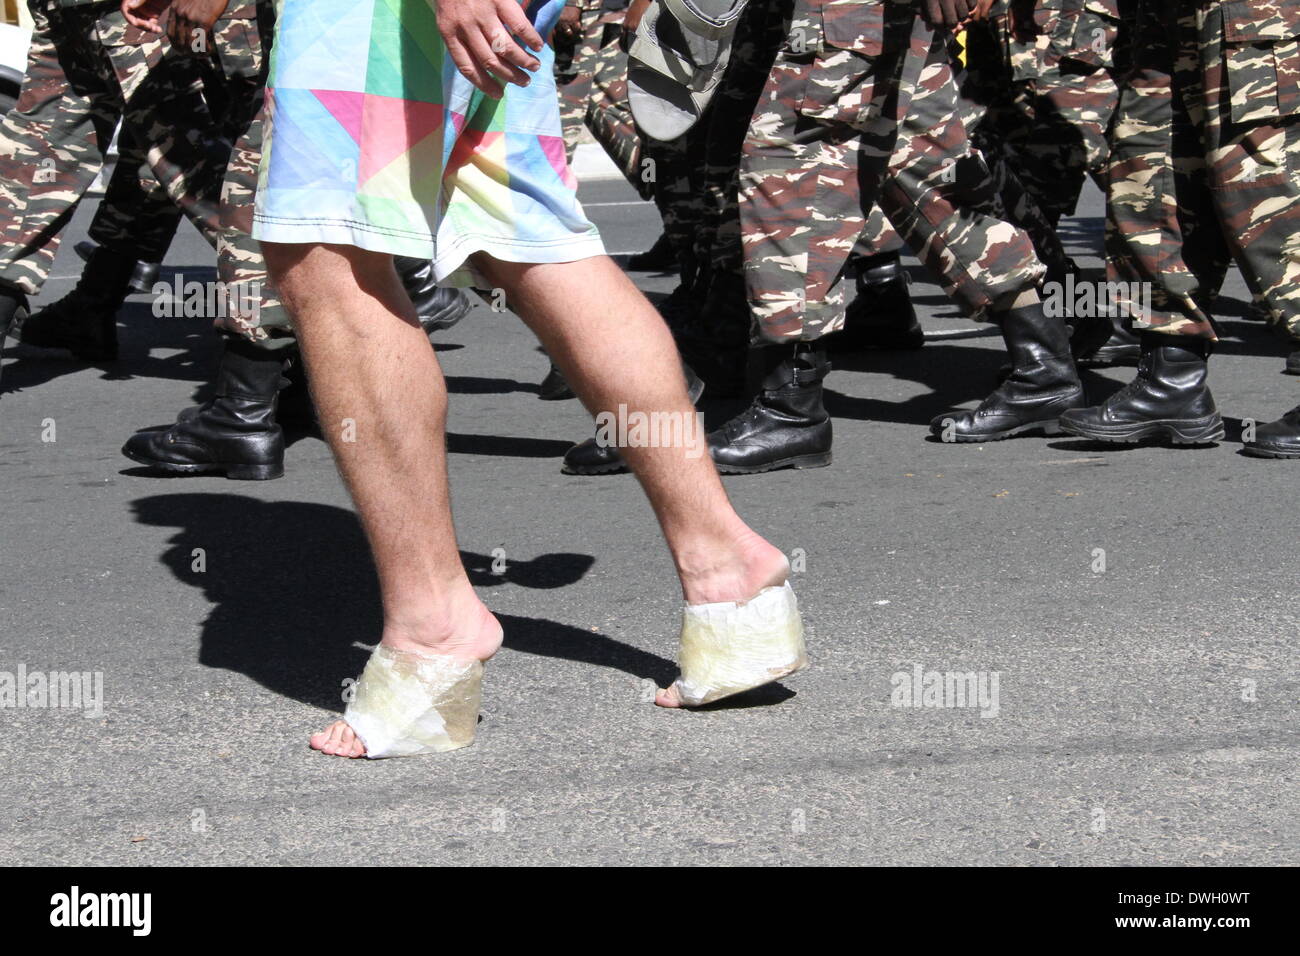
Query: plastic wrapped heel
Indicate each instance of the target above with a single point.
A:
(728, 648)
(408, 704)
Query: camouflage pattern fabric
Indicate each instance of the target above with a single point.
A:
(87, 67)
(574, 68)
(1045, 73)
(862, 107)
(674, 167)
(762, 28)
(591, 76)
(53, 141)
(243, 42)
(988, 93)
(609, 115)
(1205, 163)
(136, 217)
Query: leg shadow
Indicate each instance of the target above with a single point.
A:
(295, 601)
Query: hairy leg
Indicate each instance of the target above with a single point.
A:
(614, 349)
(382, 404)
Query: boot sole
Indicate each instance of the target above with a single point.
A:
(1263, 451)
(799, 462)
(612, 468)
(1049, 429)
(233, 472)
(1199, 431)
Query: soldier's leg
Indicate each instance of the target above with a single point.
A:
(51, 144)
(136, 217)
(609, 115)
(1166, 253)
(575, 66)
(1252, 131)
(881, 315)
(1067, 106)
(674, 170)
(944, 200)
(992, 106)
(85, 323)
(237, 432)
(130, 234)
(801, 212)
(168, 97)
(718, 349)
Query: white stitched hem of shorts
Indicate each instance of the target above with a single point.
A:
(447, 262)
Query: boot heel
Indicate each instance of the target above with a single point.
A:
(1053, 428)
(1198, 434)
(254, 472)
(811, 461)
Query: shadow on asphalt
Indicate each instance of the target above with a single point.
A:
(139, 335)
(295, 602)
(954, 374)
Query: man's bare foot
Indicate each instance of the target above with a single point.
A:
(735, 573)
(469, 632)
(739, 575)
(338, 740)
(664, 697)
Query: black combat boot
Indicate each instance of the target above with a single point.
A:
(438, 308)
(785, 426)
(1168, 398)
(661, 257)
(1293, 363)
(1279, 439)
(235, 433)
(1043, 383)
(143, 278)
(85, 320)
(589, 457)
(555, 387)
(13, 310)
(1122, 348)
(1088, 332)
(882, 315)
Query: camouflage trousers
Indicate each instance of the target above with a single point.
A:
(609, 115)
(674, 170)
(695, 174)
(1047, 79)
(591, 76)
(862, 108)
(1205, 163)
(87, 69)
(574, 68)
(136, 217)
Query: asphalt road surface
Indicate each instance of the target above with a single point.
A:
(1137, 609)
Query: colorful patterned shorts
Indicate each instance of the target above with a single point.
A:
(377, 141)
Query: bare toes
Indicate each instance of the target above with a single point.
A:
(338, 740)
(668, 697)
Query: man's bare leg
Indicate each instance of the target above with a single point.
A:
(614, 348)
(371, 364)
(382, 404)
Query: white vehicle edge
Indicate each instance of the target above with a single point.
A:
(14, 41)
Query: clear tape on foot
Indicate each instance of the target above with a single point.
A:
(728, 648)
(408, 704)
